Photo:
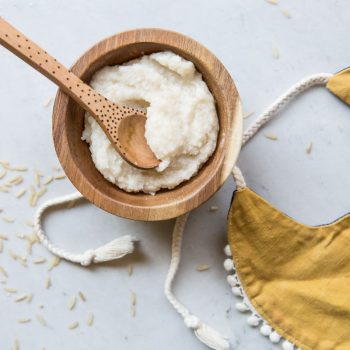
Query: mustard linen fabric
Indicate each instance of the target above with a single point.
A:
(297, 277)
(339, 85)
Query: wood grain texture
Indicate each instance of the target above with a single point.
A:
(111, 117)
(74, 154)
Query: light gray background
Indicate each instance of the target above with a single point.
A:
(311, 188)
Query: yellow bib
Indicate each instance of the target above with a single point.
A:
(297, 277)
(294, 278)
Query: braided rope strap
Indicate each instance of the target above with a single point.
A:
(276, 107)
(203, 332)
(113, 250)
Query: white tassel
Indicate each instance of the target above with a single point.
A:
(206, 334)
(113, 250)
(287, 345)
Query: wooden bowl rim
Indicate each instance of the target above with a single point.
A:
(164, 210)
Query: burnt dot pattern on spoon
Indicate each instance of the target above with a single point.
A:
(105, 112)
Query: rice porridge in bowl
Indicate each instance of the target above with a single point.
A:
(182, 123)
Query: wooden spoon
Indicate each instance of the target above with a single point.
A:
(124, 126)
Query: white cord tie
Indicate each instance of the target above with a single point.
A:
(113, 250)
(278, 105)
(203, 332)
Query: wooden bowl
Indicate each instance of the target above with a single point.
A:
(74, 154)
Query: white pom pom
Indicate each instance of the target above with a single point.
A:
(253, 321)
(228, 264)
(237, 292)
(227, 250)
(287, 345)
(275, 337)
(232, 280)
(265, 330)
(242, 307)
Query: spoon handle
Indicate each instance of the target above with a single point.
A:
(87, 98)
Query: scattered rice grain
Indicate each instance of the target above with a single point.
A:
(10, 290)
(90, 319)
(72, 302)
(20, 193)
(60, 176)
(54, 262)
(48, 283)
(37, 179)
(247, 115)
(286, 13)
(3, 272)
(309, 148)
(16, 344)
(202, 267)
(130, 269)
(22, 261)
(133, 305)
(272, 2)
(73, 325)
(39, 261)
(15, 180)
(133, 298)
(15, 168)
(48, 180)
(21, 298)
(213, 208)
(271, 136)
(31, 240)
(42, 191)
(82, 296)
(23, 320)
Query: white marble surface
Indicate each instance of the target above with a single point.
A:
(311, 188)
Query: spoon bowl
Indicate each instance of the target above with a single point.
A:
(135, 150)
(75, 156)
